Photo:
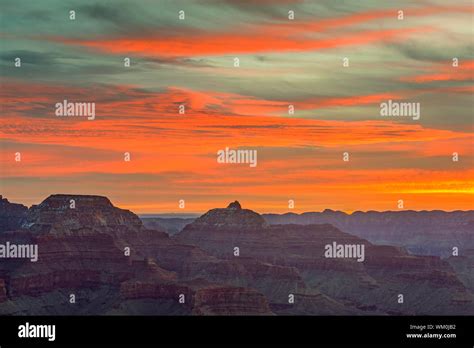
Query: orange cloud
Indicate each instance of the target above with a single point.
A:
(361, 17)
(175, 154)
(269, 37)
(445, 72)
(206, 44)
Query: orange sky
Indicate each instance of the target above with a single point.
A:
(300, 156)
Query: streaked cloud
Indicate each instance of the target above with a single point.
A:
(282, 63)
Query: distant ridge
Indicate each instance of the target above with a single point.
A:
(170, 215)
(424, 232)
(231, 261)
(179, 214)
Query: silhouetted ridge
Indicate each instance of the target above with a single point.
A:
(71, 212)
(232, 217)
(12, 215)
(421, 232)
(62, 201)
(226, 263)
(234, 205)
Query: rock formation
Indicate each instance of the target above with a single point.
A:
(229, 261)
(371, 285)
(424, 232)
(11, 215)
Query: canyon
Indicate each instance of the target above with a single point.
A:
(114, 264)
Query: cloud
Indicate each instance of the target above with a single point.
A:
(173, 156)
(206, 44)
(445, 72)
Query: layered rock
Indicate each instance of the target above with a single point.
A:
(87, 245)
(231, 218)
(424, 232)
(70, 214)
(12, 215)
(201, 297)
(230, 301)
(368, 285)
(229, 261)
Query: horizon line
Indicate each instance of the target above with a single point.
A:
(191, 214)
(197, 214)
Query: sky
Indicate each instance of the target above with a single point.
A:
(282, 62)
